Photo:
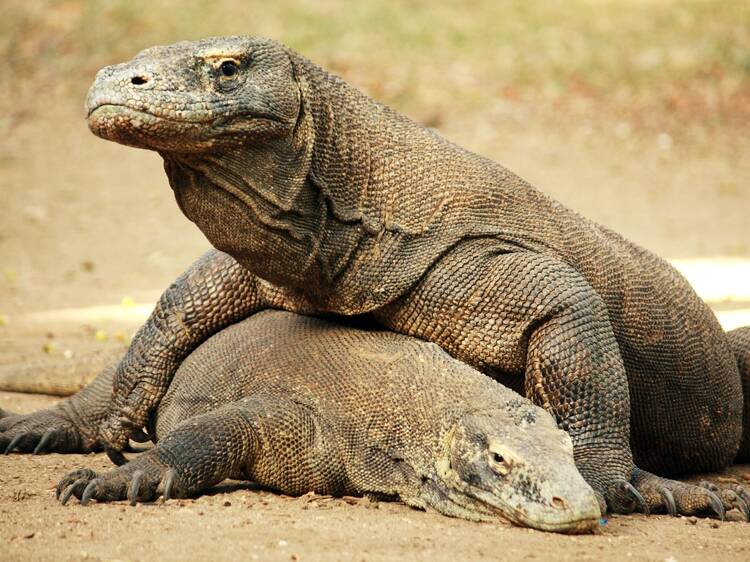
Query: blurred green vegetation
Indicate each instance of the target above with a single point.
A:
(689, 60)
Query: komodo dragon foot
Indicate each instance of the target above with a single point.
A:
(679, 498)
(42, 432)
(141, 480)
(68, 427)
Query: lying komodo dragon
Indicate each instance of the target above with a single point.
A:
(320, 200)
(301, 404)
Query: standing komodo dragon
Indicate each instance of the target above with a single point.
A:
(320, 200)
(301, 404)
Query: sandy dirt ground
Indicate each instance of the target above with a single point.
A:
(90, 234)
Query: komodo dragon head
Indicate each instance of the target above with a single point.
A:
(517, 464)
(197, 97)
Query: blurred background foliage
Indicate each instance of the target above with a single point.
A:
(656, 63)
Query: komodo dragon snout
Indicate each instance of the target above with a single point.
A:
(519, 465)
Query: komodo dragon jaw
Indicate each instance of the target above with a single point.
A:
(493, 466)
(210, 98)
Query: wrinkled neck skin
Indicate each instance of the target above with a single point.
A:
(254, 203)
(305, 209)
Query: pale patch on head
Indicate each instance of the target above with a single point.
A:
(218, 57)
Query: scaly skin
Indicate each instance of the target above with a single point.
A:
(739, 340)
(344, 206)
(300, 404)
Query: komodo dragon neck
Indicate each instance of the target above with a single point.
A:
(346, 195)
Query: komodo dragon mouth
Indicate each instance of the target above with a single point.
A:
(125, 111)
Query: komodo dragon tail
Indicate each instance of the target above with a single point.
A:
(55, 375)
(739, 340)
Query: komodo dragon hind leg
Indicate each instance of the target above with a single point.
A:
(68, 427)
(266, 439)
(739, 341)
(664, 495)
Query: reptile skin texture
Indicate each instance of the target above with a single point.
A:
(301, 404)
(330, 203)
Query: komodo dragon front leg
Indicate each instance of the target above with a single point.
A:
(262, 438)
(528, 313)
(212, 294)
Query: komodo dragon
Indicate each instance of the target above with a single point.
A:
(323, 201)
(301, 404)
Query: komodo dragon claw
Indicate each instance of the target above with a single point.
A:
(168, 483)
(744, 496)
(41, 447)
(117, 457)
(88, 491)
(14, 442)
(135, 484)
(668, 498)
(625, 487)
(732, 497)
(744, 508)
(717, 506)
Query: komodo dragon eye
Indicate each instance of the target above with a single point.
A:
(229, 68)
(499, 464)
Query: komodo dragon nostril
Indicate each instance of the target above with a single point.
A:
(559, 502)
(138, 80)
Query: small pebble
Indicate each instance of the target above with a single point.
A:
(227, 503)
(692, 520)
